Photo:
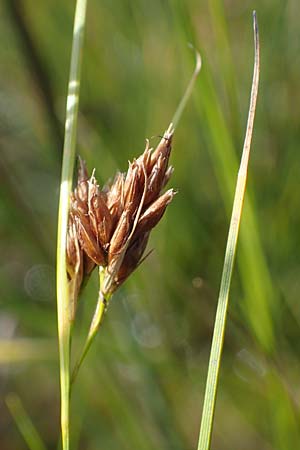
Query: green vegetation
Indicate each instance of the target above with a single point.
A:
(143, 381)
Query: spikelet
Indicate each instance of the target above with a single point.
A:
(110, 227)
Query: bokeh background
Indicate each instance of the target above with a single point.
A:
(143, 382)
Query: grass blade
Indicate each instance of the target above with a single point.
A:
(220, 322)
(188, 91)
(63, 298)
(24, 423)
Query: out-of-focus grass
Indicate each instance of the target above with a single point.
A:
(143, 382)
(24, 423)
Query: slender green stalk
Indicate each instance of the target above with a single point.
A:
(63, 298)
(94, 327)
(188, 91)
(220, 322)
(24, 423)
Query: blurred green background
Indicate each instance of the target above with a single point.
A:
(143, 382)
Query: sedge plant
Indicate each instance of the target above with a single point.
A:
(110, 228)
(106, 228)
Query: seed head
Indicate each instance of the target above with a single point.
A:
(110, 227)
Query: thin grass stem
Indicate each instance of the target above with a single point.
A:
(221, 314)
(63, 298)
(94, 327)
(24, 423)
(188, 91)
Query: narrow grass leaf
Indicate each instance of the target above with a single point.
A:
(24, 423)
(188, 91)
(221, 315)
(63, 299)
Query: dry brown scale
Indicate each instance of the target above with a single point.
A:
(110, 227)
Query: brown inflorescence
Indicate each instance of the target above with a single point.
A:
(110, 227)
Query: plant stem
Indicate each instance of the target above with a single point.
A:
(220, 322)
(63, 298)
(188, 91)
(94, 327)
(24, 423)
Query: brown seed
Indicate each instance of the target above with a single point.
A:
(164, 147)
(167, 176)
(74, 257)
(78, 205)
(132, 192)
(154, 213)
(156, 179)
(143, 163)
(120, 235)
(115, 198)
(99, 215)
(103, 221)
(132, 258)
(88, 241)
(74, 265)
(145, 159)
(88, 265)
(81, 190)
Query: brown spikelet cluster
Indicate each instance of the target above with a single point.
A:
(110, 227)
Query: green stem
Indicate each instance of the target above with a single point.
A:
(24, 423)
(63, 298)
(188, 91)
(94, 327)
(220, 322)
